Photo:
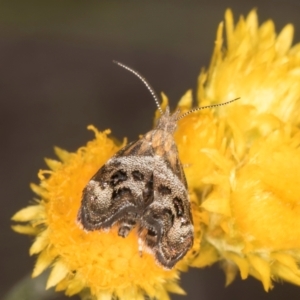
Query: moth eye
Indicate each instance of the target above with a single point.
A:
(178, 207)
(148, 190)
(137, 176)
(118, 177)
(164, 190)
(121, 193)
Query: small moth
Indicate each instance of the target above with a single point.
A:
(144, 186)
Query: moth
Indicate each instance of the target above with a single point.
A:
(143, 186)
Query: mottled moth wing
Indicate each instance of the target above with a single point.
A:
(166, 226)
(116, 193)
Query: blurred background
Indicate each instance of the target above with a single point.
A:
(57, 77)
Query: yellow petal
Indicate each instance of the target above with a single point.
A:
(186, 101)
(287, 260)
(129, 294)
(217, 205)
(229, 25)
(52, 164)
(58, 273)
(252, 23)
(38, 190)
(62, 154)
(175, 288)
(62, 285)
(25, 229)
(266, 34)
(104, 296)
(163, 295)
(285, 39)
(29, 213)
(40, 243)
(241, 262)
(262, 267)
(286, 273)
(230, 270)
(44, 260)
(207, 256)
(217, 158)
(74, 287)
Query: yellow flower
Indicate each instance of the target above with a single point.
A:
(242, 164)
(245, 161)
(103, 262)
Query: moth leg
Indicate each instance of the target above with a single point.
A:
(125, 227)
(140, 247)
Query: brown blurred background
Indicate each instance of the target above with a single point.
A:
(57, 77)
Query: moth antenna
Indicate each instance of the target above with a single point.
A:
(149, 87)
(204, 107)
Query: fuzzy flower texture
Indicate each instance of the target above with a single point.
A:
(242, 164)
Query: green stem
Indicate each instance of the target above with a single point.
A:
(31, 289)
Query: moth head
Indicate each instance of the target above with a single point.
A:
(167, 122)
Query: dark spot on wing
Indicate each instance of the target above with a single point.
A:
(167, 212)
(152, 232)
(137, 176)
(164, 190)
(148, 193)
(120, 194)
(178, 207)
(118, 177)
